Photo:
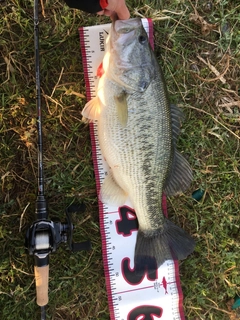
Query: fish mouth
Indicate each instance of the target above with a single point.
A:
(126, 26)
(123, 31)
(130, 55)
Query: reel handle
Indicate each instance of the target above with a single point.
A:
(41, 280)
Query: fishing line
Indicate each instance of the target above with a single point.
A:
(38, 101)
(44, 236)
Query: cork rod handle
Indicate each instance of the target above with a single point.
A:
(41, 279)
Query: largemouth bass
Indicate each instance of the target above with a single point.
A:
(138, 129)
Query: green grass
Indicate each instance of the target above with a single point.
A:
(210, 139)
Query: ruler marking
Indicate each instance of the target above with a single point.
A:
(132, 290)
(91, 57)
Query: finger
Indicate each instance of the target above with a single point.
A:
(108, 13)
(105, 12)
(114, 16)
(123, 13)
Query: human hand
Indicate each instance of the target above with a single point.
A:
(116, 8)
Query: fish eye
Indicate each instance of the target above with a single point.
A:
(142, 39)
(143, 86)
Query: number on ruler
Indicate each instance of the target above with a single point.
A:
(126, 224)
(148, 311)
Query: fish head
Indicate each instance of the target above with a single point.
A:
(130, 56)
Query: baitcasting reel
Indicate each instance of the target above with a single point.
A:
(42, 238)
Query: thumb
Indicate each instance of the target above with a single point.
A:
(120, 8)
(123, 13)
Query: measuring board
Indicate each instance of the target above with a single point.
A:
(131, 296)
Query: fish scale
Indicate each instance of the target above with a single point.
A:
(149, 166)
(124, 294)
(136, 138)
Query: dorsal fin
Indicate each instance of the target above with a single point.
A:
(177, 117)
(180, 174)
(179, 177)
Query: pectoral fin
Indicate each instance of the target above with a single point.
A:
(122, 108)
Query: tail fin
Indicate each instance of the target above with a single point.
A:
(164, 244)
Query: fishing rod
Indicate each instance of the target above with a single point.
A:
(44, 236)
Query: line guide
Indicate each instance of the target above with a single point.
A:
(131, 296)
